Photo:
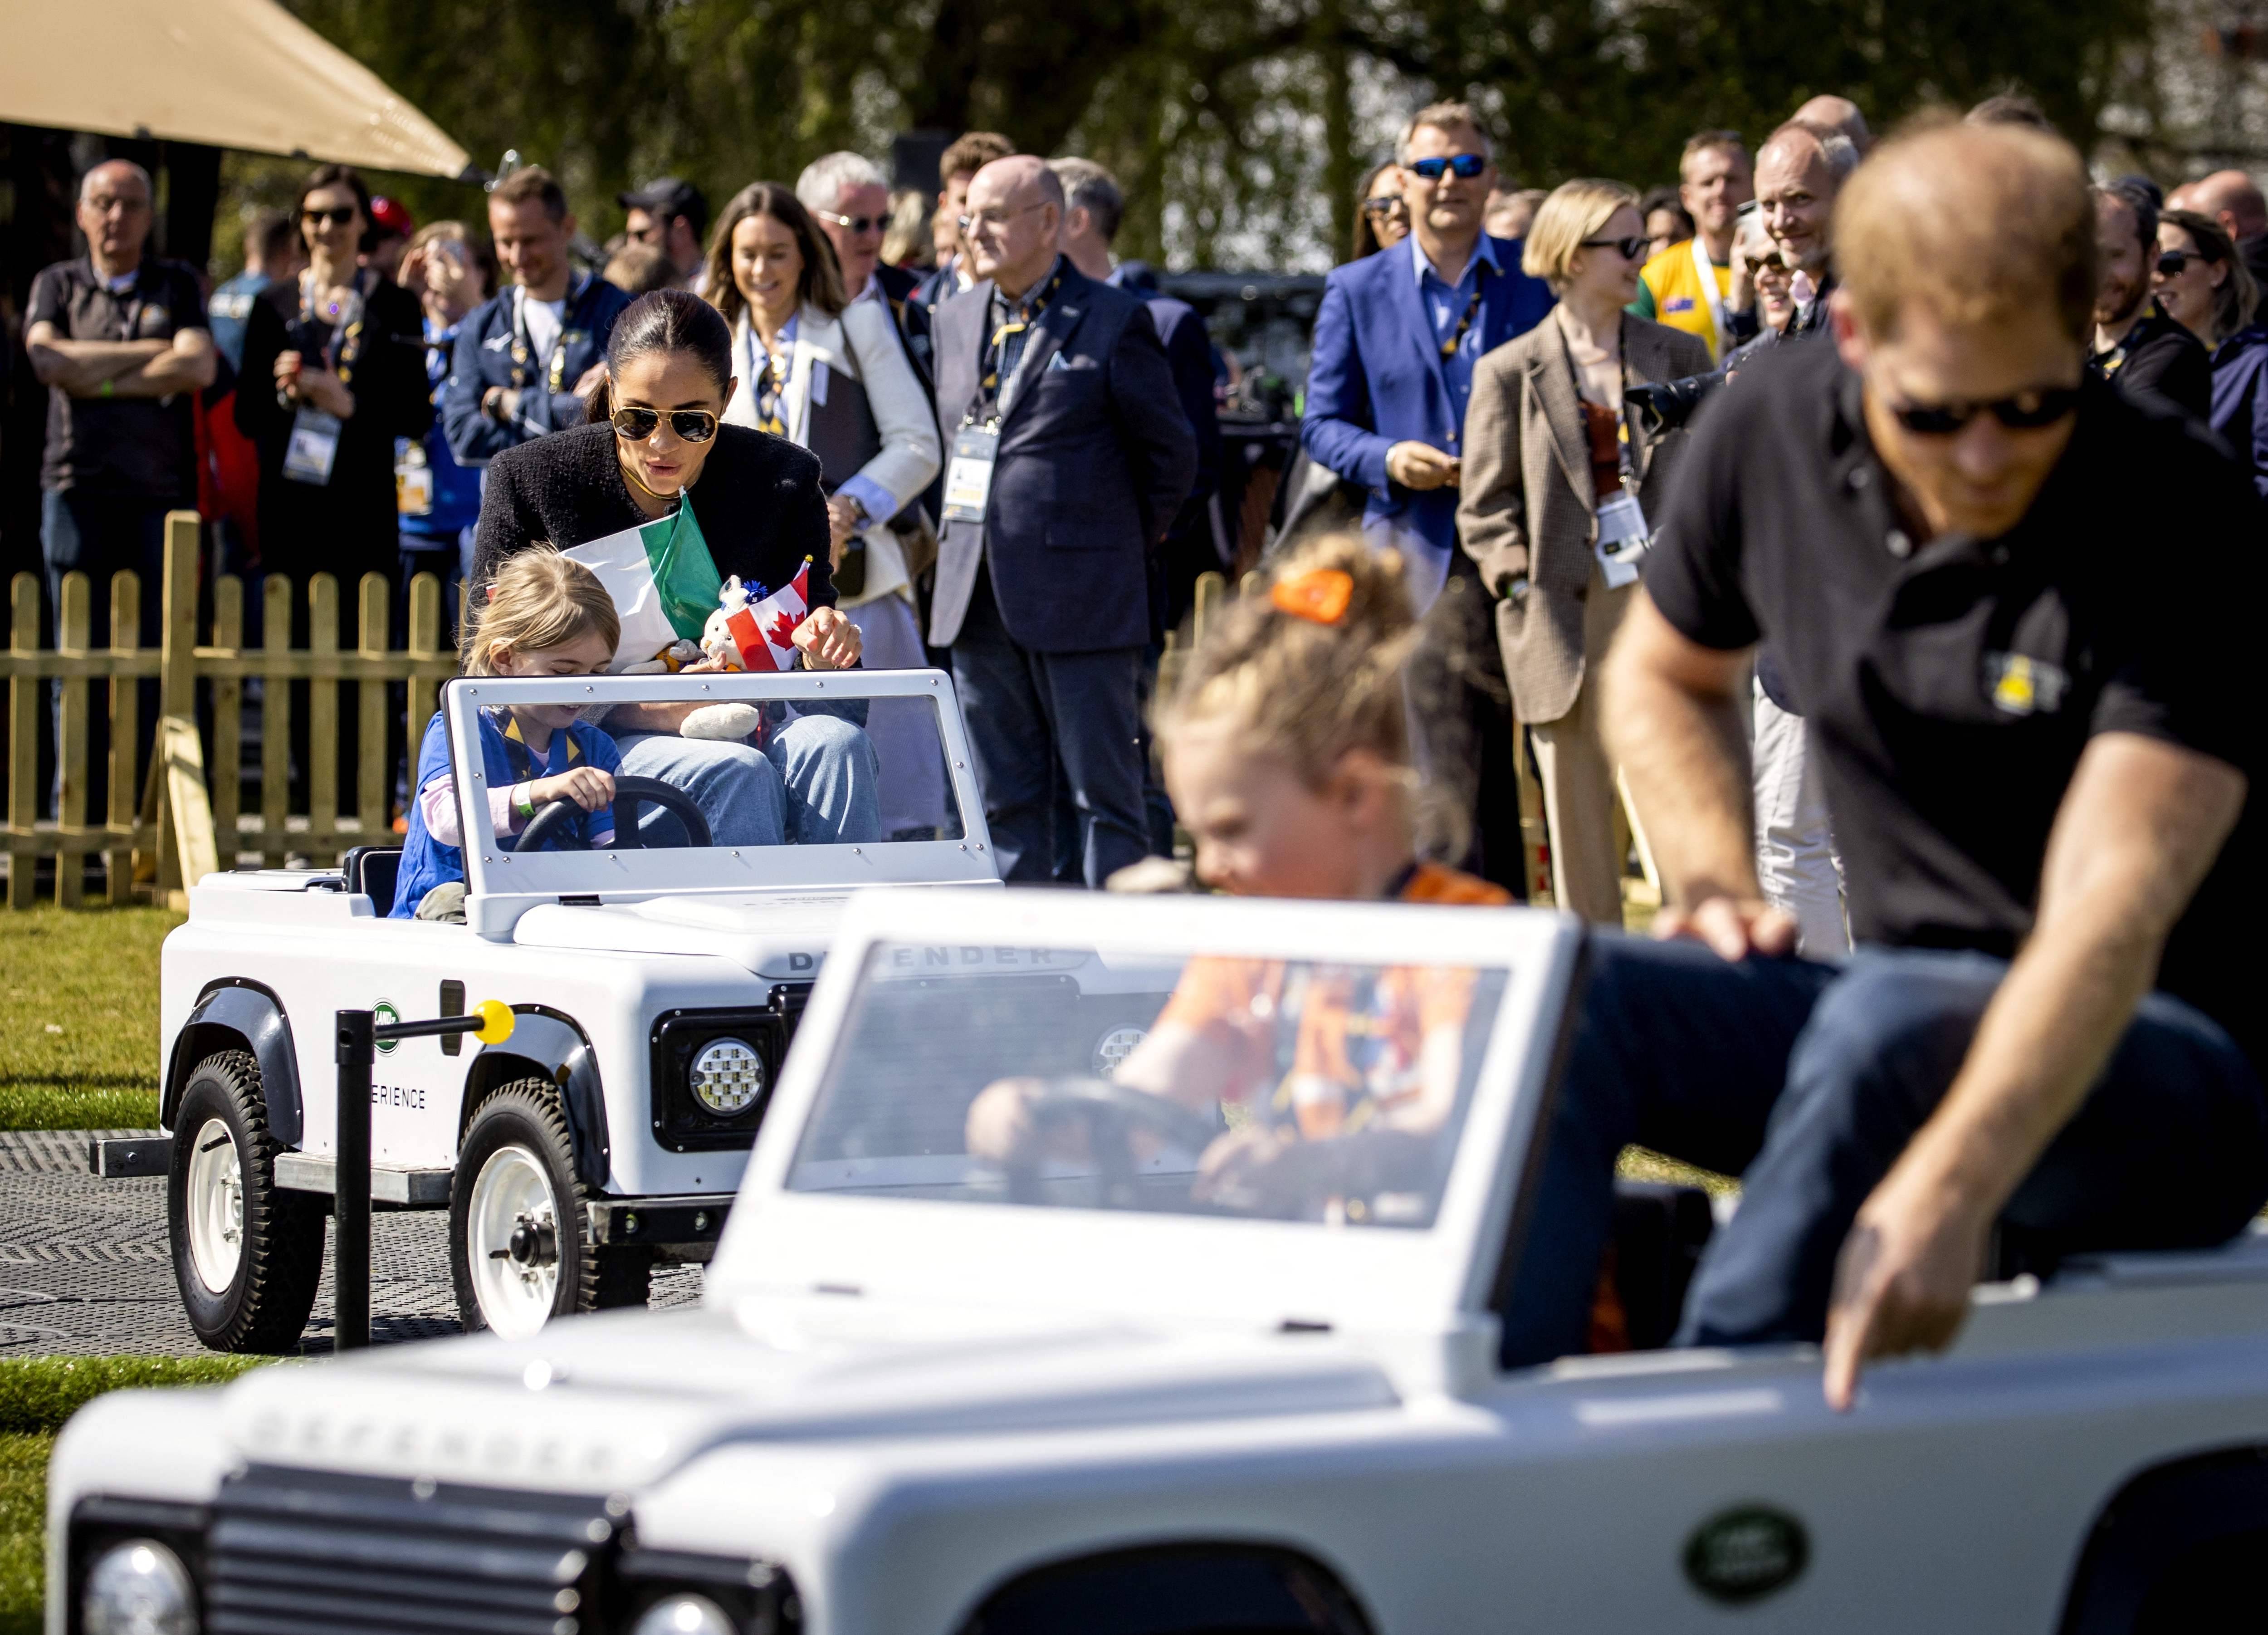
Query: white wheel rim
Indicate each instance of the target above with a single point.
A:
(515, 1296)
(215, 1207)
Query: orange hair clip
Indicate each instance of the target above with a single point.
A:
(1321, 594)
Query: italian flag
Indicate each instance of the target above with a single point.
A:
(663, 582)
(764, 631)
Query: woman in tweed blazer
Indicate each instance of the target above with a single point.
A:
(1544, 448)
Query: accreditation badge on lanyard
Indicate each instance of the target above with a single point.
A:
(313, 447)
(1624, 537)
(968, 479)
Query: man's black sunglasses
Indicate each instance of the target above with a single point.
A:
(857, 224)
(2026, 411)
(1466, 165)
(337, 217)
(693, 425)
(1629, 249)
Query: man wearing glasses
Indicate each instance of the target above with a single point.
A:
(1396, 341)
(673, 217)
(851, 199)
(2039, 764)
(1067, 457)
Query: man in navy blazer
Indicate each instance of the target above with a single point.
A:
(1396, 343)
(1043, 596)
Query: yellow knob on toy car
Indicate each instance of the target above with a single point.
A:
(496, 1021)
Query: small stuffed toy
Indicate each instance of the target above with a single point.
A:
(668, 661)
(721, 723)
(717, 641)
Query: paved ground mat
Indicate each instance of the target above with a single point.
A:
(85, 1268)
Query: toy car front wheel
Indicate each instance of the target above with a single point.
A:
(520, 1236)
(246, 1254)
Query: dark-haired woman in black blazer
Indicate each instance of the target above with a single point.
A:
(757, 500)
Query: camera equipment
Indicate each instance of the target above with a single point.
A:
(1668, 404)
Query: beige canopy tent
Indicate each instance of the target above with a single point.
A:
(229, 73)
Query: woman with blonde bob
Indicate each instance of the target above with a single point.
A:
(1558, 481)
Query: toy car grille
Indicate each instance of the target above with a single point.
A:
(296, 1552)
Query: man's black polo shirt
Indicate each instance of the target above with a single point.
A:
(2159, 363)
(136, 447)
(1951, 688)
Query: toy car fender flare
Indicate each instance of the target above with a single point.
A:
(1253, 1585)
(2150, 1527)
(233, 1013)
(550, 1044)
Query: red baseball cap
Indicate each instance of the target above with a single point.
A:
(391, 216)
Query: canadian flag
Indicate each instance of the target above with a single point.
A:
(764, 631)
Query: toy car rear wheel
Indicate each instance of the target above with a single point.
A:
(247, 1255)
(519, 1237)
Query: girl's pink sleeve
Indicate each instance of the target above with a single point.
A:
(437, 803)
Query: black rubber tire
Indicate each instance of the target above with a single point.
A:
(592, 1277)
(265, 1307)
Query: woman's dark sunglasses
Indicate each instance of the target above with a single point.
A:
(692, 425)
(1466, 165)
(2170, 262)
(1629, 249)
(1383, 207)
(2026, 411)
(338, 218)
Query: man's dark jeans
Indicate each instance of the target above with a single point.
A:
(1034, 716)
(1807, 1080)
(97, 535)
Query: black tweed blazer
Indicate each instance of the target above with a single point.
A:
(758, 501)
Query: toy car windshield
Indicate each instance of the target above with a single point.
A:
(697, 782)
(1285, 1089)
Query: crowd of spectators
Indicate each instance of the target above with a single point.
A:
(359, 354)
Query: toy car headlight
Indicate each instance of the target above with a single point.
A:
(727, 1076)
(140, 1587)
(684, 1615)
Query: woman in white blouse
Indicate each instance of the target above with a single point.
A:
(833, 376)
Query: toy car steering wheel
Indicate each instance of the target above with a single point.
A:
(556, 820)
(1111, 1113)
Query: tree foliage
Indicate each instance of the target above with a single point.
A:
(1240, 129)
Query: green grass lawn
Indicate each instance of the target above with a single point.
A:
(78, 1018)
(37, 1394)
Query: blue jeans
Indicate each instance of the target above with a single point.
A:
(1807, 1080)
(97, 535)
(815, 782)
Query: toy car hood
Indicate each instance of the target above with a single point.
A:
(618, 1402)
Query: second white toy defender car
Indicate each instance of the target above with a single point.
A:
(1001, 1343)
(655, 989)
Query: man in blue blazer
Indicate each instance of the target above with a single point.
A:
(1396, 339)
(1067, 458)
(1396, 343)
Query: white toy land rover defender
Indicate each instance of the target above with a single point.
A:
(1003, 1340)
(655, 987)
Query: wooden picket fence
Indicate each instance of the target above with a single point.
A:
(187, 822)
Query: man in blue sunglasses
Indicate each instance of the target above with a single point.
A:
(1395, 343)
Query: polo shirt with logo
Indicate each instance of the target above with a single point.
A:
(1951, 685)
(132, 447)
